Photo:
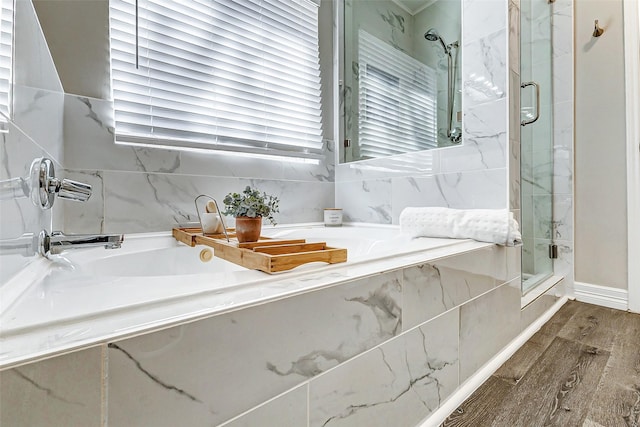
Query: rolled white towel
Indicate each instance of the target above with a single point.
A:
(485, 225)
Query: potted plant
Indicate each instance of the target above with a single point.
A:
(249, 208)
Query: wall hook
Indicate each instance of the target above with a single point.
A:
(597, 30)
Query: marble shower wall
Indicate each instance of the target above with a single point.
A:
(473, 175)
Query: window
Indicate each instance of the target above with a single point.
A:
(231, 75)
(397, 100)
(6, 53)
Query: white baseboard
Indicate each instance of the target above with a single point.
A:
(602, 295)
(474, 382)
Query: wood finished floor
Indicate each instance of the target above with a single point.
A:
(581, 369)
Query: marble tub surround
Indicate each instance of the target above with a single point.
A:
(328, 339)
(361, 335)
(398, 382)
(65, 309)
(66, 390)
(439, 286)
(347, 320)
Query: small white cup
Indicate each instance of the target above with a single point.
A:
(211, 223)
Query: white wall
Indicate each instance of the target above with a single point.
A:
(600, 163)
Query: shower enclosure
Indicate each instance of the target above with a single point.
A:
(536, 139)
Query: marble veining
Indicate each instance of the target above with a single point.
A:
(385, 308)
(485, 77)
(87, 217)
(308, 335)
(90, 143)
(433, 288)
(399, 383)
(49, 392)
(485, 140)
(365, 201)
(469, 190)
(65, 390)
(153, 377)
(486, 16)
(485, 330)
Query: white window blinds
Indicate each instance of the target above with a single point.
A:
(232, 75)
(6, 54)
(397, 96)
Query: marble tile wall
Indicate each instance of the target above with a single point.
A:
(473, 175)
(137, 189)
(35, 130)
(376, 351)
(147, 189)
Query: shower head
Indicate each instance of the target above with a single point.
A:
(433, 36)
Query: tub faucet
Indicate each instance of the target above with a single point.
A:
(58, 242)
(46, 244)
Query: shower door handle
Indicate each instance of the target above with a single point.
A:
(537, 116)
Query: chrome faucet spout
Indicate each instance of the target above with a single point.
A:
(58, 242)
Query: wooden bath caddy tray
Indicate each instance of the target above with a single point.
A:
(268, 255)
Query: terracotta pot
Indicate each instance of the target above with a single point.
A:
(248, 229)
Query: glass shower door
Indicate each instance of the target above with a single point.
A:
(536, 138)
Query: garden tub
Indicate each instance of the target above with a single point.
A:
(89, 296)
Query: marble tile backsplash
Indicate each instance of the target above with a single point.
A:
(147, 189)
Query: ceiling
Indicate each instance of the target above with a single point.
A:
(413, 6)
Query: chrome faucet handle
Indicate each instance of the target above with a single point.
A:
(73, 190)
(45, 186)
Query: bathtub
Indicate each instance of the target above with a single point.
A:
(91, 296)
